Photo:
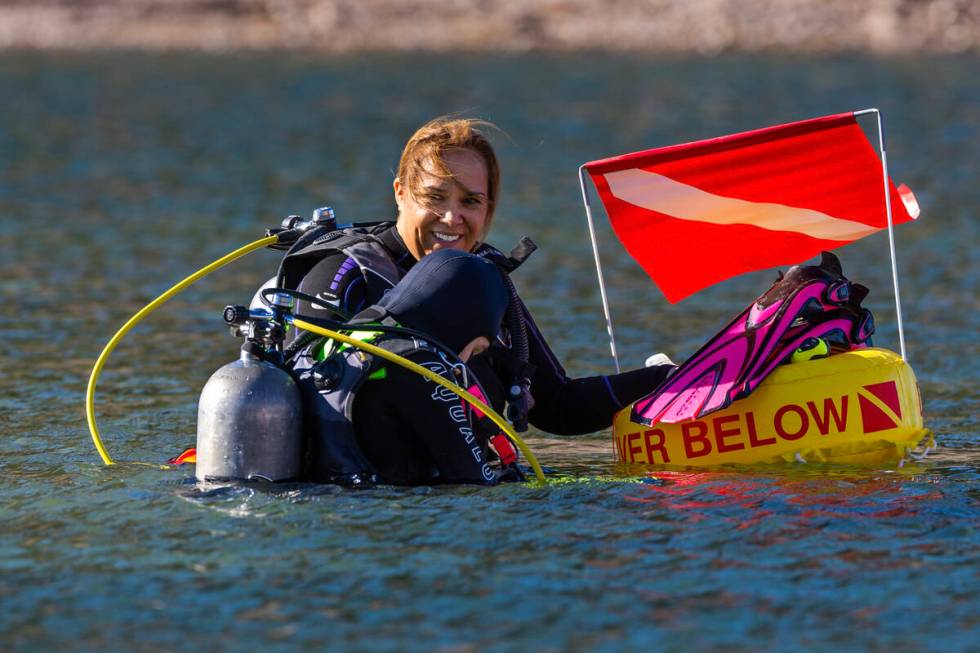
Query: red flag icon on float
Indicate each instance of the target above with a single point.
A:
(698, 213)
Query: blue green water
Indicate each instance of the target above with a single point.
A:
(120, 174)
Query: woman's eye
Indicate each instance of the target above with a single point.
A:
(472, 201)
(434, 197)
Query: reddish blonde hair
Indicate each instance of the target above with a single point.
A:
(424, 153)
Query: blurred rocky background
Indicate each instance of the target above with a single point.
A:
(662, 26)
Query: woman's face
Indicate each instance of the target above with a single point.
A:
(447, 213)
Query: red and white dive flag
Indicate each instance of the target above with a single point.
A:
(698, 213)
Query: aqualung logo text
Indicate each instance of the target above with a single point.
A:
(457, 413)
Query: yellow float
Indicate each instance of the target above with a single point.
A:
(859, 407)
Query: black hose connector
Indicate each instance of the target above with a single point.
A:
(235, 315)
(286, 237)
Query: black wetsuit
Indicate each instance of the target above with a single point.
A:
(562, 405)
(415, 432)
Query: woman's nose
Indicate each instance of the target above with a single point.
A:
(452, 216)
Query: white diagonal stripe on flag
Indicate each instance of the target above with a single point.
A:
(655, 192)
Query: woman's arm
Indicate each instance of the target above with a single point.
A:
(566, 406)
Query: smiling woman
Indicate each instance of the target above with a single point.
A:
(446, 191)
(446, 188)
(446, 212)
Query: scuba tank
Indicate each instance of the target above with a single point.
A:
(249, 420)
(249, 415)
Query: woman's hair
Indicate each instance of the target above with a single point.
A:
(425, 149)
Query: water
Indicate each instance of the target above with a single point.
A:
(124, 173)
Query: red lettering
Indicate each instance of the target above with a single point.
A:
(781, 430)
(690, 438)
(635, 435)
(621, 448)
(720, 433)
(822, 420)
(754, 440)
(660, 444)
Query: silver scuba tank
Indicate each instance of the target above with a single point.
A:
(249, 423)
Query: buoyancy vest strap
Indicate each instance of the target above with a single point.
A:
(521, 251)
(375, 264)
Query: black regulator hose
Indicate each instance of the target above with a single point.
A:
(519, 394)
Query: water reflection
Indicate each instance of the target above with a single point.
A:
(123, 175)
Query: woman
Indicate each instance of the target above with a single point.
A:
(446, 189)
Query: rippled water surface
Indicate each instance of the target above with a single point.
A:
(121, 174)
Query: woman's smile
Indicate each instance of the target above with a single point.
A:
(445, 237)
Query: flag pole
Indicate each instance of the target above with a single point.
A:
(598, 268)
(891, 231)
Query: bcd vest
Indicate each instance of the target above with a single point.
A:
(329, 388)
(365, 246)
(360, 243)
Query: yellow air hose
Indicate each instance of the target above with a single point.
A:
(435, 378)
(136, 319)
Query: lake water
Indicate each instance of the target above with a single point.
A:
(121, 174)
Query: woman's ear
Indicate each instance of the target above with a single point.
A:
(396, 185)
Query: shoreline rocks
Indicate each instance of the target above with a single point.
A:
(354, 26)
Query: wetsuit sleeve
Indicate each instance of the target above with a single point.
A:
(566, 406)
(338, 280)
(408, 426)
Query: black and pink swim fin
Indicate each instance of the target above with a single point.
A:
(807, 302)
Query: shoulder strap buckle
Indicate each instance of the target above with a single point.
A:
(524, 248)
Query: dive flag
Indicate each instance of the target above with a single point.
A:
(698, 213)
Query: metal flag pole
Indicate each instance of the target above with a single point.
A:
(598, 268)
(891, 231)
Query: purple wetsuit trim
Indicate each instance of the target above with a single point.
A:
(344, 268)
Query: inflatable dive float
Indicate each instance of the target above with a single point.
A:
(858, 407)
(694, 214)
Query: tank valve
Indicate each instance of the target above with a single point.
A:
(324, 216)
(292, 221)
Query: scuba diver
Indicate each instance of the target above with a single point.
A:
(446, 190)
(366, 421)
